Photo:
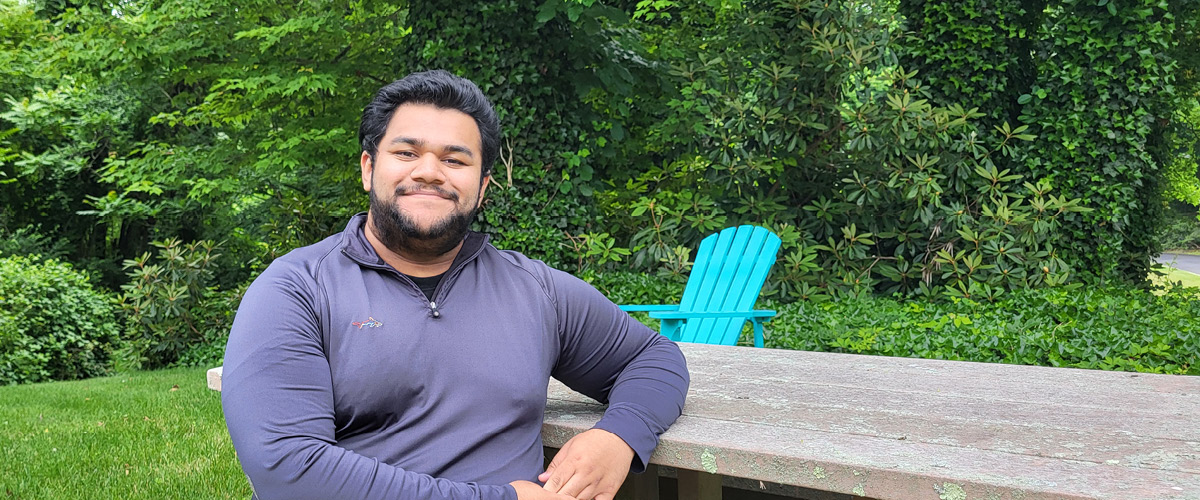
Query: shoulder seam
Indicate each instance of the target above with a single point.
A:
(320, 297)
(321, 260)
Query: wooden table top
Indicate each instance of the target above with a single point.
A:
(902, 428)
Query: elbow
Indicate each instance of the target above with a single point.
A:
(671, 358)
(290, 468)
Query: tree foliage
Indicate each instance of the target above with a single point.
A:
(1102, 101)
(960, 149)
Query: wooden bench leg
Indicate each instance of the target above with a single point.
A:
(696, 485)
(642, 486)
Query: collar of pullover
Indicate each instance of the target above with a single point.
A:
(357, 248)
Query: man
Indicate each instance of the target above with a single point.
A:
(407, 358)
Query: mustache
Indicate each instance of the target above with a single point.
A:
(403, 190)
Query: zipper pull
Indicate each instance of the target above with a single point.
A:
(433, 305)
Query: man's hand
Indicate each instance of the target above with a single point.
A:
(592, 465)
(531, 491)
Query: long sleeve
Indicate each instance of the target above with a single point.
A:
(609, 356)
(279, 407)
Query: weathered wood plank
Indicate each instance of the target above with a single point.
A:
(983, 379)
(898, 428)
(1135, 431)
(888, 469)
(1050, 430)
(1032, 431)
(214, 378)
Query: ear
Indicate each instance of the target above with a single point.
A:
(487, 179)
(367, 169)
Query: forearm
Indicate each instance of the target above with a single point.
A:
(647, 398)
(609, 356)
(319, 471)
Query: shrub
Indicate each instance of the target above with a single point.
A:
(625, 287)
(875, 184)
(30, 241)
(1099, 328)
(209, 351)
(170, 305)
(53, 324)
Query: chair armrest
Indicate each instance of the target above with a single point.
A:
(645, 308)
(712, 314)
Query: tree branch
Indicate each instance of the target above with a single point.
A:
(340, 55)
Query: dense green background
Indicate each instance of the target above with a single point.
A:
(937, 152)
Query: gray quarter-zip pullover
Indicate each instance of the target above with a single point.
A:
(342, 380)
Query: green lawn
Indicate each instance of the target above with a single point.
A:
(151, 435)
(1175, 275)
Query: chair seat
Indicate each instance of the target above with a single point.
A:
(761, 313)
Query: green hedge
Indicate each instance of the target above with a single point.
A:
(53, 324)
(1098, 328)
(1113, 328)
(625, 287)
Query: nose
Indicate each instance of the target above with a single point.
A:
(428, 170)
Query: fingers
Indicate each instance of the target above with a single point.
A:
(531, 491)
(579, 486)
(553, 469)
(576, 480)
(554, 478)
(563, 479)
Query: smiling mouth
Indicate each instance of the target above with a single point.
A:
(433, 192)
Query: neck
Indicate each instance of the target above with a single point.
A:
(411, 264)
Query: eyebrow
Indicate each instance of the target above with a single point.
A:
(420, 143)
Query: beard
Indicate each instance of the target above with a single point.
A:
(401, 234)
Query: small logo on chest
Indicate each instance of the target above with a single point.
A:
(369, 323)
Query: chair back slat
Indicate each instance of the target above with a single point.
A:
(703, 330)
(707, 268)
(731, 267)
(742, 292)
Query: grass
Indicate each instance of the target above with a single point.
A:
(1175, 275)
(145, 435)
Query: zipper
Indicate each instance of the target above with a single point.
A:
(451, 274)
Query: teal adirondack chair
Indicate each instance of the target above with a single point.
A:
(729, 271)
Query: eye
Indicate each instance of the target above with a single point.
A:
(454, 161)
(405, 154)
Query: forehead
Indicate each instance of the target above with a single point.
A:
(433, 125)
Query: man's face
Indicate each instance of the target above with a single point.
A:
(424, 180)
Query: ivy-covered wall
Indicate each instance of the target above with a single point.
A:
(972, 52)
(1102, 103)
(1094, 81)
